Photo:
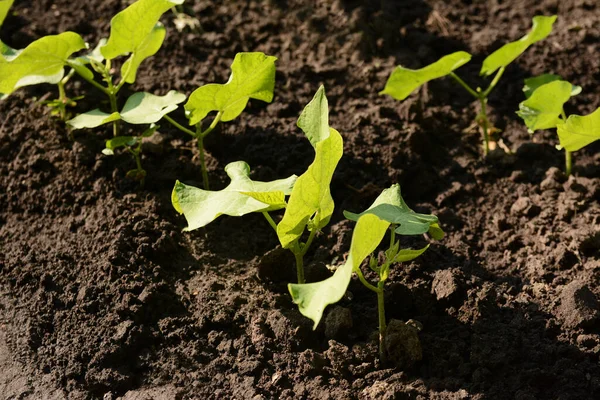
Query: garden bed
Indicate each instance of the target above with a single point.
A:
(103, 296)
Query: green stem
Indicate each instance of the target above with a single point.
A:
(464, 85)
(299, 266)
(214, 124)
(306, 245)
(362, 279)
(179, 126)
(568, 162)
(203, 162)
(113, 108)
(270, 220)
(494, 83)
(382, 324)
(485, 126)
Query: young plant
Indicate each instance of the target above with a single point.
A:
(403, 81)
(5, 5)
(135, 31)
(309, 206)
(252, 77)
(140, 109)
(544, 109)
(388, 212)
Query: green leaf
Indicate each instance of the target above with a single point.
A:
(543, 109)
(147, 48)
(4, 7)
(542, 26)
(397, 212)
(201, 207)
(252, 76)
(404, 81)
(119, 141)
(146, 108)
(406, 255)
(312, 298)
(42, 61)
(579, 131)
(311, 197)
(531, 84)
(92, 119)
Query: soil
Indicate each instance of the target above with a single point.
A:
(102, 296)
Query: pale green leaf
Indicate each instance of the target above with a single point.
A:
(4, 7)
(129, 29)
(146, 108)
(119, 141)
(579, 131)
(147, 48)
(42, 61)
(542, 26)
(201, 207)
(543, 109)
(311, 197)
(531, 84)
(404, 81)
(92, 119)
(274, 199)
(406, 255)
(79, 64)
(397, 212)
(252, 76)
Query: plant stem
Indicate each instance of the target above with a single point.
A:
(94, 83)
(485, 126)
(382, 323)
(270, 220)
(299, 266)
(203, 162)
(494, 83)
(362, 279)
(179, 126)
(464, 85)
(306, 245)
(113, 108)
(214, 124)
(568, 162)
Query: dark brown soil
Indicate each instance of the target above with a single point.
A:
(103, 297)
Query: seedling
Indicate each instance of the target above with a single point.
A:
(388, 212)
(5, 5)
(544, 109)
(252, 76)
(309, 206)
(403, 81)
(135, 31)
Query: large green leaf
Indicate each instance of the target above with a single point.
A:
(531, 84)
(542, 26)
(404, 81)
(4, 7)
(136, 31)
(311, 197)
(397, 212)
(252, 76)
(579, 131)
(201, 207)
(312, 298)
(543, 109)
(140, 108)
(42, 61)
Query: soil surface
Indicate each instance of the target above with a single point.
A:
(102, 296)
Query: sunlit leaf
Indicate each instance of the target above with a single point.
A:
(543, 109)
(404, 81)
(201, 207)
(579, 131)
(531, 84)
(4, 7)
(92, 119)
(310, 202)
(146, 108)
(42, 61)
(147, 48)
(252, 76)
(542, 26)
(119, 141)
(406, 255)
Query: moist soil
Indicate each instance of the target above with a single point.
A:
(102, 296)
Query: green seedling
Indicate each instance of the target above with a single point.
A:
(403, 81)
(140, 109)
(252, 77)
(309, 206)
(544, 109)
(135, 32)
(5, 6)
(388, 212)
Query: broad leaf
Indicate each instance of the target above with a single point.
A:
(80, 63)
(543, 109)
(134, 31)
(92, 119)
(531, 84)
(201, 207)
(404, 81)
(312, 298)
(397, 212)
(311, 197)
(42, 61)
(579, 131)
(4, 7)
(146, 108)
(542, 26)
(252, 77)
(406, 255)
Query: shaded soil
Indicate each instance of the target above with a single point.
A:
(103, 297)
